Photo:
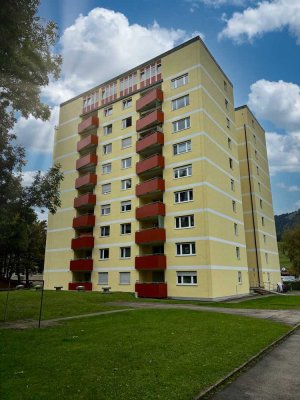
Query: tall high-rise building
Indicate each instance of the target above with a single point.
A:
(155, 191)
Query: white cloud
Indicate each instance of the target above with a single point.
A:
(292, 188)
(27, 177)
(217, 3)
(267, 16)
(37, 135)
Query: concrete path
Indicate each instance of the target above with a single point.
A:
(289, 317)
(275, 377)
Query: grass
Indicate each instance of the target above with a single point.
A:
(142, 354)
(283, 257)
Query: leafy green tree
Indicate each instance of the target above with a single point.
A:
(291, 240)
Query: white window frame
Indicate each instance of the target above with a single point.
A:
(122, 276)
(124, 141)
(104, 254)
(106, 168)
(235, 229)
(123, 228)
(190, 196)
(107, 129)
(126, 184)
(182, 147)
(180, 246)
(234, 206)
(126, 122)
(182, 172)
(176, 103)
(232, 185)
(126, 163)
(127, 103)
(124, 251)
(180, 81)
(125, 204)
(102, 278)
(181, 124)
(240, 277)
(102, 230)
(105, 209)
(182, 275)
(107, 148)
(106, 188)
(228, 123)
(108, 111)
(180, 221)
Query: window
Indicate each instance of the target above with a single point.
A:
(234, 206)
(102, 278)
(186, 221)
(236, 229)
(259, 187)
(232, 184)
(182, 147)
(254, 138)
(126, 184)
(260, 203)
(104, 254)
(126, 142)
(107, 129)
(238, 253)
(106, 188)
(267, 257)
(252, 122)
(183, 196)
(265, 238)
(108, 111)
(106, 168)
(225, 86)
(185, 249)
(179, 81)
(125, 252)
(186, 278)
(180, 102)
(182, 172)
(226, 104)
(263, 221)
(230, 163)
(126, 162)
(105, 209)
(257, 170)
(229, 141)
(107, 148)
(105, 230)
(181, 124)
(240, 278)
(228, 123)
(125, 229)
(127, 103)
(126, 205)
(255, 152)
(124, 278)
(126, 123)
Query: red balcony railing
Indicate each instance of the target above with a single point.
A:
(150, 210)
(90, 160)
(152, 290)
(151, 262)
(149, 99)
(154, 140)
(87, 200)
(82, 264)
(89, 123)
(84, 221)
(85, 181)
(87, 143)
(156, 161)
(83, 242)
(154, 118)
(74, 285)
(155, 185)
(152, 235)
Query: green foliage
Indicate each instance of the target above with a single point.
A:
(141, 354)
(291, 240)
(285, 222)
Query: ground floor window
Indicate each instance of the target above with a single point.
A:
(103, 278)
(186, 278)
(240, 278)
(124, 278)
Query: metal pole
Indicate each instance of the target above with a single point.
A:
(6, 303)
(41, 305)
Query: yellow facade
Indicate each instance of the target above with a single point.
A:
(196, 247)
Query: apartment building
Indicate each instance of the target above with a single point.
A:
(153, 201)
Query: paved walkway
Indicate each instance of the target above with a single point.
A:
(275, 377)
(289, 317)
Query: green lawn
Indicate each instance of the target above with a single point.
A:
(141, 354)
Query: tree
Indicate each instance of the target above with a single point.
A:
(291, 241)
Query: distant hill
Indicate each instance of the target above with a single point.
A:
(284, 222)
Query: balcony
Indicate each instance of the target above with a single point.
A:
(88, 161)
(84, 221)
(87, 201)
(87, 181)
(82, 264)
(150, 236)
(86, 285)
(151, 262)
(149, 100)
(88, 143)
(152, 290)
(150, 164)
(83, 242)
(154, 118)
(150, 143)
(150, 187)
(150, 211)
(89, 123)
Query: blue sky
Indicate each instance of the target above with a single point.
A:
(256, 43)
